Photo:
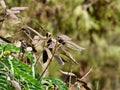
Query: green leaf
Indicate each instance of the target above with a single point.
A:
(56, 82)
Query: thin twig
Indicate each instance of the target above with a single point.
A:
(41, 27)
(4, 39)
(70, 77)
(28, 35)
(35, 32)
(86, 74)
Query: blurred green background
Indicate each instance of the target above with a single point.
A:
(93, 24)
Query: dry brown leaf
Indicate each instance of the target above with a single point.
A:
(33, 30)
(18, 8)
(68, 73)
(11, 14)
(49, 53)
(2, 2)
(59, 59)
(86, 74)
(64, 37)
(35, 40)
(16, 12)
(74, 46)
(51, 44)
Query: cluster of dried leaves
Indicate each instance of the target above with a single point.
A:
(52, 48)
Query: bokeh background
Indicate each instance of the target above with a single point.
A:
(92, 24)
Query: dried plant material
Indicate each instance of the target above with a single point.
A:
(68, 73)
(74, 46)
(2, 2)
(35, 40)
(84, 84)
(64, 38)
(16, 12)
(70, 56)
(51, 43)
(15, 84)
(4, 39)
(11, 14)
(86, 87)
(23, 46)
(49, 53)
(48, 34)
(46, 55)
(86, 74)
(29, 28)
(59, 59)
(18, 8)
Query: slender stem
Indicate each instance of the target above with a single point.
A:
(35, 32)
(86, 74)
(4, 39)
(70, 77)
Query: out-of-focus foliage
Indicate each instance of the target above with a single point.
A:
(94, 24)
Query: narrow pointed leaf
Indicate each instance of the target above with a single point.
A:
(74, 46)
(18, 8)
(11, 14)
(64, 37)
(68, 73)
(59, 59)
(2, 2)
(70, 56)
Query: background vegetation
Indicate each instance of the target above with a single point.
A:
(93, 24)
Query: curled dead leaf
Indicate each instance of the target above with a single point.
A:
(46, 55)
